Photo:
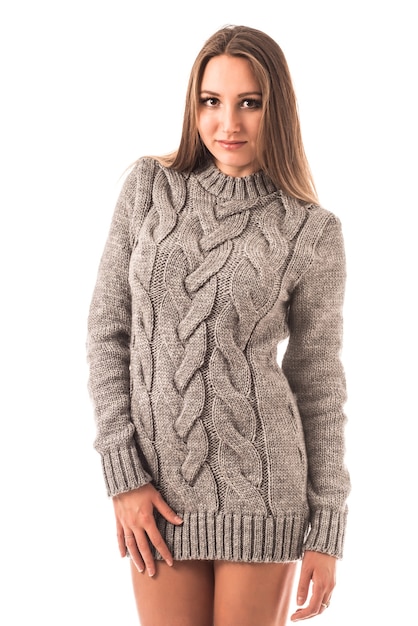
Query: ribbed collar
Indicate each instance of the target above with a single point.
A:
(232, 194)
(229, 187)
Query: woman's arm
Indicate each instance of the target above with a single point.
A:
(314, 370)
(108, 342)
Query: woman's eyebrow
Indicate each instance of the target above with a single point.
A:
(249, 93)
(240, 95)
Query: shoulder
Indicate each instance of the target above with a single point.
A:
(307, 219)
(142, 171)
(151, 185)
(152, 167)
(153, 177)
(308, 209)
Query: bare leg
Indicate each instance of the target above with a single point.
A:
(181, 595)
(252, 594)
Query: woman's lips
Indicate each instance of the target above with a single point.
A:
(231, 145)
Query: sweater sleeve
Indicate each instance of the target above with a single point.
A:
(108, 341)
(313, 367)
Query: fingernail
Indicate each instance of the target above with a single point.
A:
(178, 519)
(169, 562)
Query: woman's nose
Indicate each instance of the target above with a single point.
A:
(230, 120)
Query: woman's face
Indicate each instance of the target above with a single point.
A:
(229, 114)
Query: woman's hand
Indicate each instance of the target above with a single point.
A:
(320, 569)
(136, 526)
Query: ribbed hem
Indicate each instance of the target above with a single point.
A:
(327, 532)
(123, 471)
(234, 537)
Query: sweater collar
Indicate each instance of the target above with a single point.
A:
(233, 194)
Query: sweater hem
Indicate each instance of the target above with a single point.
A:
(234, 537)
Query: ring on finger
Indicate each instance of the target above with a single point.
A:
(325, 604)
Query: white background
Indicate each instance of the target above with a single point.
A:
(88, 86)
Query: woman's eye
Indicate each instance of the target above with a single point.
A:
(251, 103)
(209, 102)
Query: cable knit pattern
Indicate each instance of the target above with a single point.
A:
(201, 278)
(233, 411)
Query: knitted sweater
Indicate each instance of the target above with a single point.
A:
(202, 276)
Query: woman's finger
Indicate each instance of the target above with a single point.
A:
(133, 551)
(121, 538)
(137, 527)
(165, 510)
(317, 575)
(159, 543)
(154, 536)
(143, 555)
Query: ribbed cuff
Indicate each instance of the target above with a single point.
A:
(123, 471)
(327, 532)
(234, 537)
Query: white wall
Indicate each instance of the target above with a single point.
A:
(89, 86)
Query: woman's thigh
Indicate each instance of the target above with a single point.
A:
(252, 594)
(181, 595)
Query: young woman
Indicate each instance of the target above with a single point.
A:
(225, 469)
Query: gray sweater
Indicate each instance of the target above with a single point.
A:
(202, 276)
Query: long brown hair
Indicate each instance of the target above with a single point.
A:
(281, 152)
